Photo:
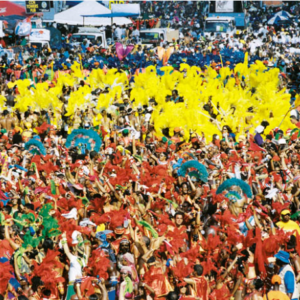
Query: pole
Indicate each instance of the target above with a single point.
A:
(285, 116)
(83, 21)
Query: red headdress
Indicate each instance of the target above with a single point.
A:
(68, 226)
(208, 266)
(5, 275)
(272, 244)
(279, 207)
(5, 249)
(98, 203)
(297, 242)
(99, 264)
(118, 158)
(226, 219)
(43, 128)
(114, 217)
(259, 256)
(87, 287)
(158, 204)
(163, 219)
(192, 254)
(212, 243)
(177, 239)
(181, 271)
(47, 273)
(233, 236)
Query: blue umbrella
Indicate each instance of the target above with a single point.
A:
(276, 19)
(284, 13)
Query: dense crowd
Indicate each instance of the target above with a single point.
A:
(171, 172)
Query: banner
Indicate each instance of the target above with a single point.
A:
(224, 6)
(23, 28)
(37, 6)
(114, 2)
(39, 35)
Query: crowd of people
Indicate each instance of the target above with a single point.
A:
(169, 173)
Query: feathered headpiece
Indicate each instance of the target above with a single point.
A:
(235, 182)
(46, 271)
(44, 127)
(177, 239)
(147, 226)
(99, 264)
(199, 169)
(84, 136)
(5, 275)
(36, 147)
(181, 271)
(233, 196)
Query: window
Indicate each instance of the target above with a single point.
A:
(148, 37)
(81, 37)
(217, 27)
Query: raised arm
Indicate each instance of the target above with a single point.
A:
(65, 246)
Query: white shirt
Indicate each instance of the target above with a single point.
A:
(75, 269)
(118, 32)
(135, 33)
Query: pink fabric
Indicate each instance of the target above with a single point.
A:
(123, 51)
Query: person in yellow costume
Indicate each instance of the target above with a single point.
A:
(276, 293)
(27, 132)
(286, 224)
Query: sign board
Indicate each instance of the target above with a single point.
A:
(37, 6)
(224, 6)
(125, 8)
(39, 35)
(115, 2)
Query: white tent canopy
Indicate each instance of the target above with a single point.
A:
(73, 16)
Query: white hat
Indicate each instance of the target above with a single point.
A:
(293, 113)
(259, 129)
(85, 222)
(72, 214)
(75, 233)
(282, 142)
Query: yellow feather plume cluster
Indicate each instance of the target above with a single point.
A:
(38, 97)
(241, 107)
(41, 96)
(235, 106)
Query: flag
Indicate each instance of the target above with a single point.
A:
(80, 59)
(83, 49)
(255, 147)
(221, 60)
(164, 54)
(20, 58)
(122, 50)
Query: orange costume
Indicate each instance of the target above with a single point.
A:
(158, 281)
